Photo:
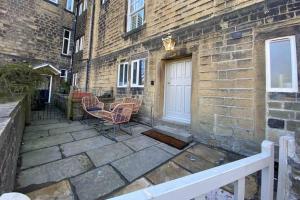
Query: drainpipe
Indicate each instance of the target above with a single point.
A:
(90, 46)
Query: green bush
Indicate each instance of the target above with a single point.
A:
(19, 78)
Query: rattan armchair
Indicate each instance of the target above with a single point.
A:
(137, 103)
(92, 106)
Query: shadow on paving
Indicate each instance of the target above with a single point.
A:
(61, 159)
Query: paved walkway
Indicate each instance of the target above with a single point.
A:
(71, 160)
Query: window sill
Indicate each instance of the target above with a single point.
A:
(134, 31)
(51, 2)
(69, 11)
(66, 55)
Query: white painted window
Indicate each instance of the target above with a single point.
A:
(81, 43)
(103, 1)
(74, 79)
(135, 14)
(80, 9)
(66, 42)
(138, 73)
(122, 75)
(77, 46)
(64, 74)
(70, 5)
(85, 5)
(54, 1)
(281, 65)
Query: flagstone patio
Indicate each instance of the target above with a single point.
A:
(62, 159)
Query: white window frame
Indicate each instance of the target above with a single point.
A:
(294, 87)
(84, 5)
(72, 7)
(130, 14)
(77, 46)
(136, 85)
(81, 43)
(118, 83)
(103, 1)
(54, 1)
(66, 74)
(69, 42)
(80, 9)
(74, 79)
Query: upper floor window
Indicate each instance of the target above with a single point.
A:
(281, 65)
(135, 16)
(138, 73)
(80, 9)
(122, 75)
(66, 42)
(75, 79)
(54, 1)
(70, 5)
(85, 5)
(79, 44)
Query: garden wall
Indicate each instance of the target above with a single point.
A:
(12, 123)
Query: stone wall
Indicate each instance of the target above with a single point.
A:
(295, 166)
(12, 122)
(32, 31)
(228, 60)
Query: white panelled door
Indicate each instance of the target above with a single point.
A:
(178, 91)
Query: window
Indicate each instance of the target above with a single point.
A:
(66, 42)
(70, 5)
(135, 14)
(80, 9)
(138, 73)
(74, 79)
(79, 44)
(85, 5)
(103, 1)
(281, 65)
(54, 1)
(64, 74)
(123, 75)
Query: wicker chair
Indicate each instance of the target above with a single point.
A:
(92, 106)
(119, 115)
(137, 103)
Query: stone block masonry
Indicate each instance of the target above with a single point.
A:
(12, 122)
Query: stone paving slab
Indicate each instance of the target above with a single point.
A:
(32, 135)
(38, 157)
(169, 149)
(69, 129)
(192, 163)
(136, 129)
(209, 154)
(134, 186)
(167, 172)
(57, 191)
(79, 135)
(109, 153)
(80, 146)
(46, 142)
(54, 171)
(141, 142)
(139, 163)
(44, 122)
(51, 126)
(97, 183)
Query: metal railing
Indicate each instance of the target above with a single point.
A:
(201, 183)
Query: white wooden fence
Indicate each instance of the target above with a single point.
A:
(195, 185)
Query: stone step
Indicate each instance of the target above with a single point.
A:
(180, 134)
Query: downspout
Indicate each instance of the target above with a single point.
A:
(74, 30)
(91, 34)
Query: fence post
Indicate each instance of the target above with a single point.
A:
(239, 189)
(267, 174)
(286, 149)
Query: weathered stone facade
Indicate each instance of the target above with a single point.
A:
(32, 31)
(225, 41)
(12, 123)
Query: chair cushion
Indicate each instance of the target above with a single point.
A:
(93, 109)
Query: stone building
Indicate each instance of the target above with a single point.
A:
(231, 79)
(39, 32)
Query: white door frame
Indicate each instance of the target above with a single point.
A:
(165, 89)
(50, 87)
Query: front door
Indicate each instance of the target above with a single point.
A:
(178, 91)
